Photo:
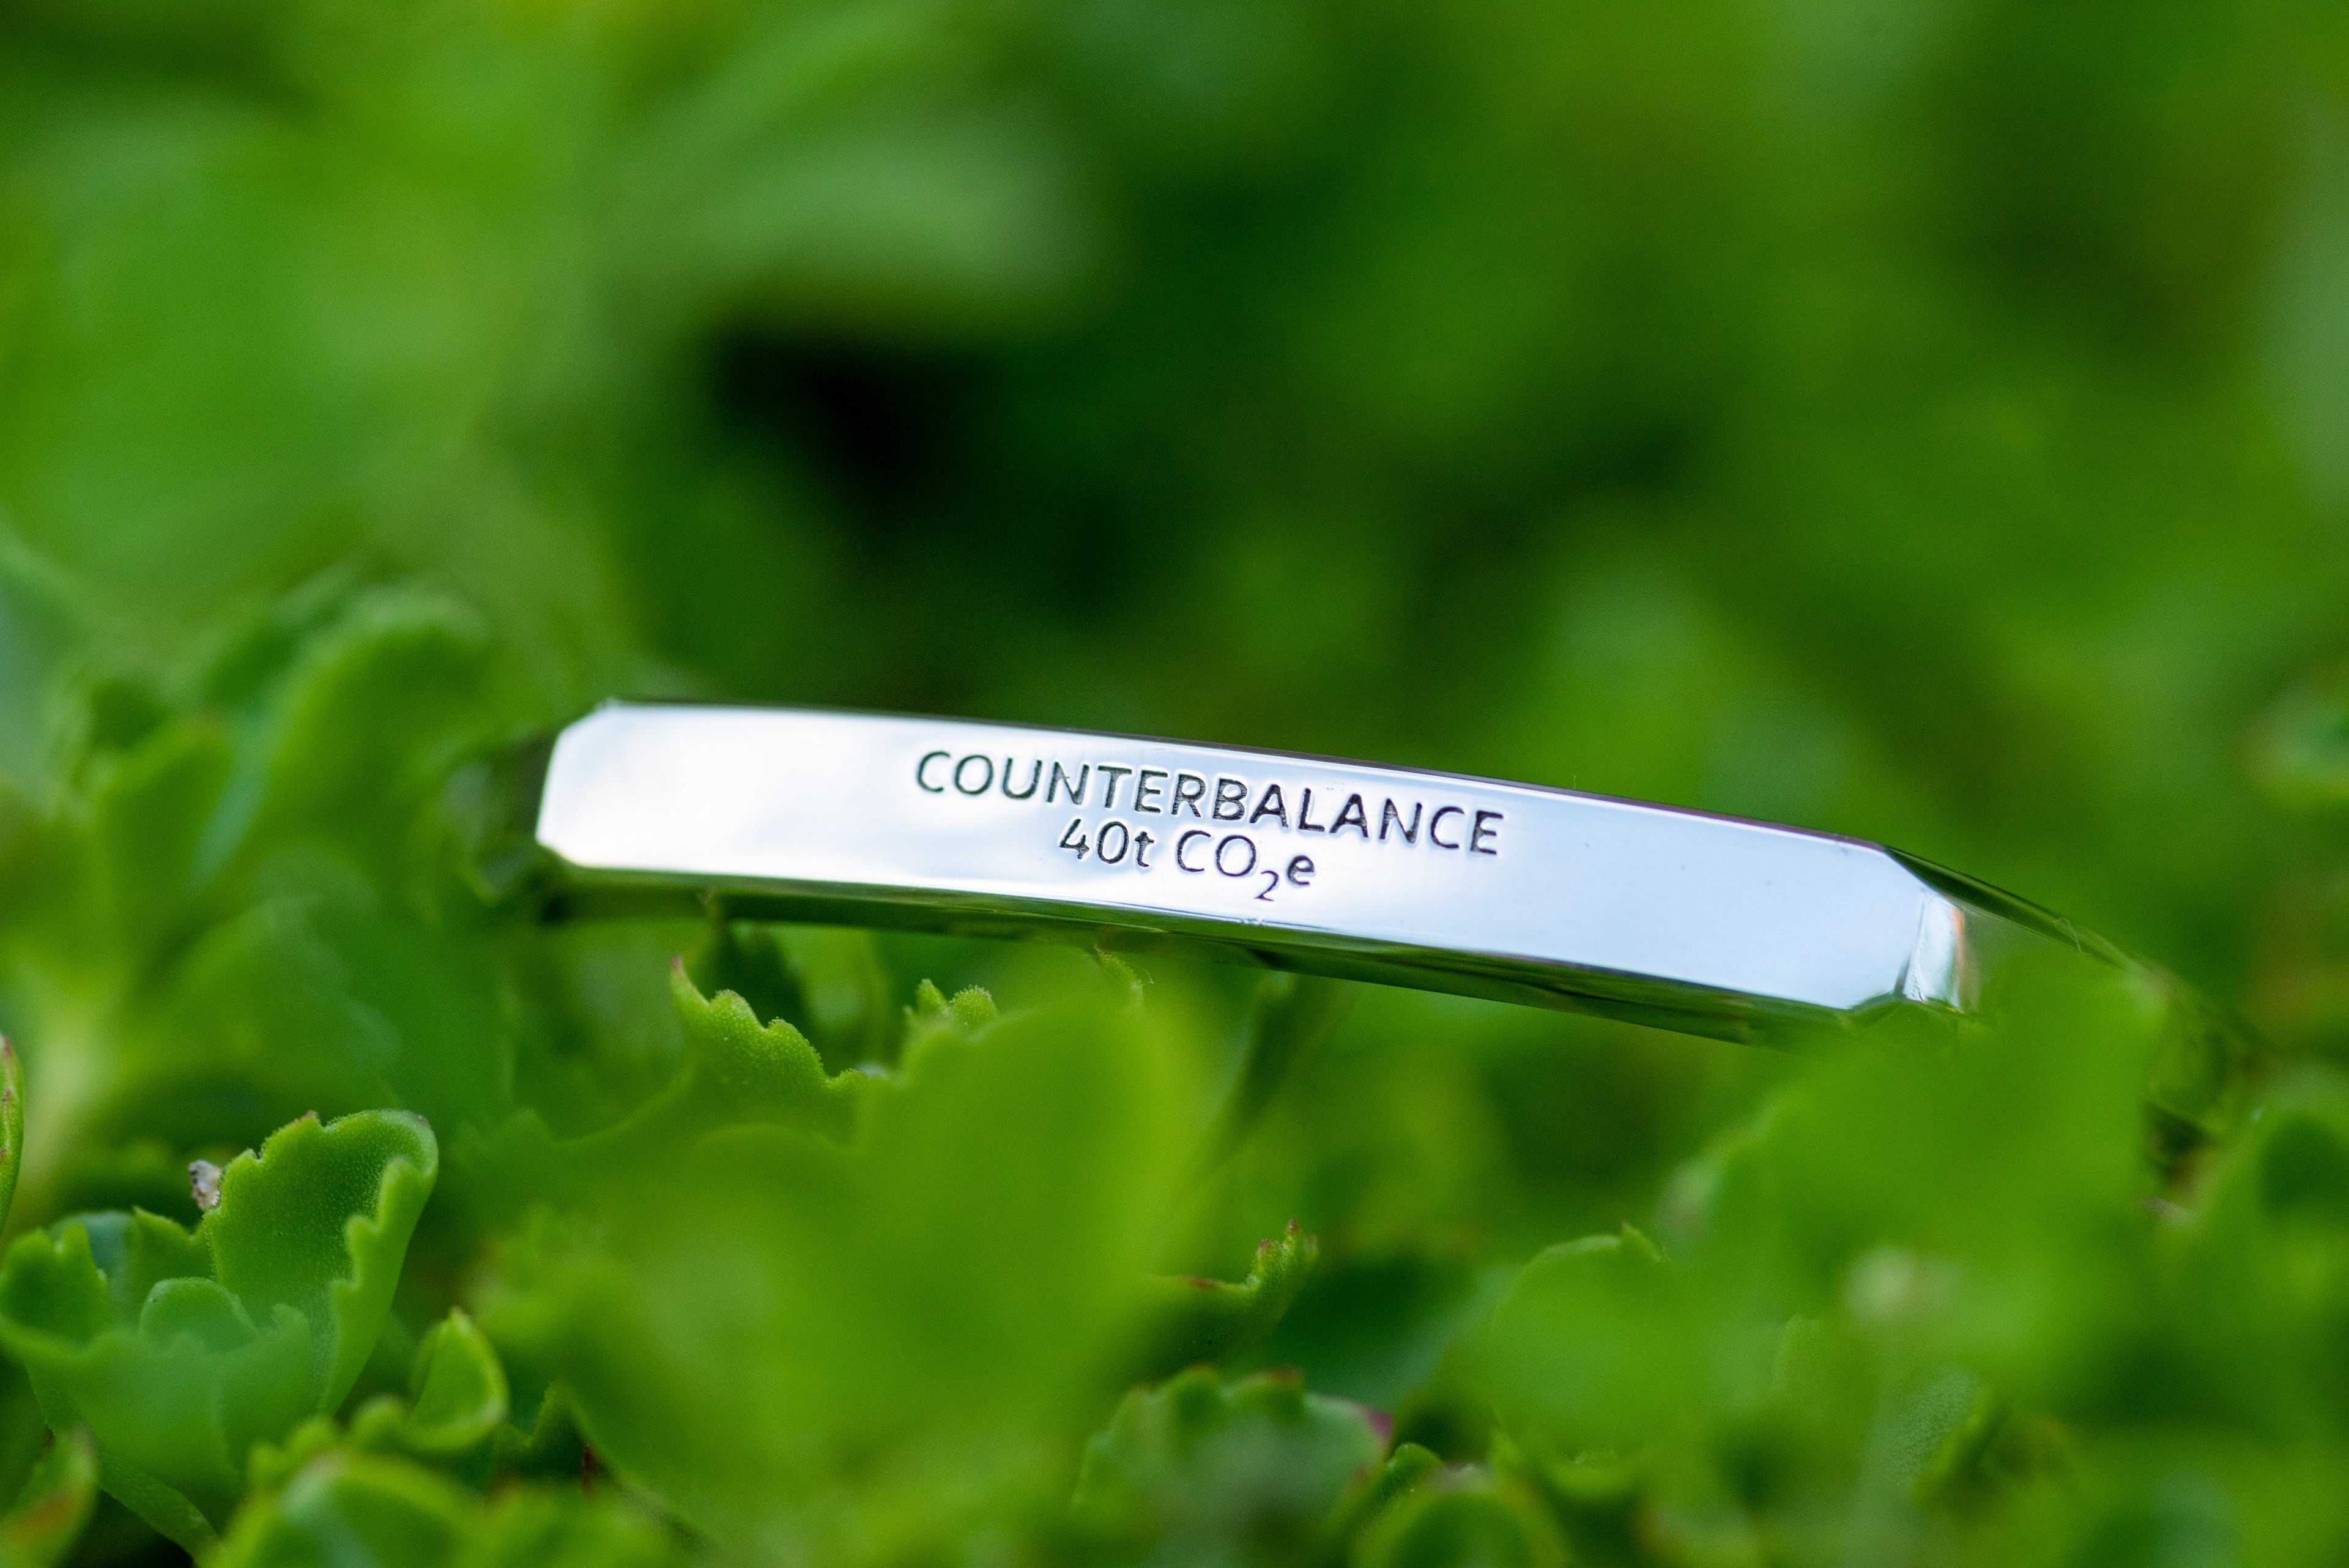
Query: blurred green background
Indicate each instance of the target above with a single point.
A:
(1923, 419)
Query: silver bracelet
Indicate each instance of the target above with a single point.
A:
(1687, 921)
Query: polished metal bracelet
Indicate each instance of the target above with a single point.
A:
(1688, 921)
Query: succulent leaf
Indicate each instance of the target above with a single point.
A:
(457, 1398)
(11, 1124)
(411, 662)
(41, 1528)
(319, 1222)
(181, 1351)
(762, 1071)
(459, 1388)
(1198, 1469)
(1193, 1320)
(1473, 1517)
(1013, 1171)
(374, 1510)
(390, 1512)
(1584, 1342)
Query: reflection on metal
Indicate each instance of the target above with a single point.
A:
(1674, 917)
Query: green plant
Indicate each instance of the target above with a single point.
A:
(1917, 420)
(668, 1276)
(179, 1351)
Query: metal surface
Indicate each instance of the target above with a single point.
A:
(1694, 922)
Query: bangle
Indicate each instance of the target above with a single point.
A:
(1682, 920)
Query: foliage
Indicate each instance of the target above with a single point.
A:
(179, 1351)
(1922, 421)
(1255, 1470)
(47, 1519)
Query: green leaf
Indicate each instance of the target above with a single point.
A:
(828, 980)
(353, 1507)
(172, 1395)
(1193, 1320)
(526, 1527)
(548, 1446)
(50, 1285)
(43, 628)
(1587, 1346)
(459, 1388)
(737, 1070)
(737, 1325)
(270, 1465)
(1406, 1467)
(11, 1124)
(411, 662)
(183, 1351)
(389, 1513)
(149, 813)
(457, 1399)
(322, 995)
(1255, 1470)
(1466, 1520)
(319, 1222)
(48, 1517)
(759, 1072)
(935, 1013)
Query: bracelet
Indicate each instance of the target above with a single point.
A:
(1680, 920)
